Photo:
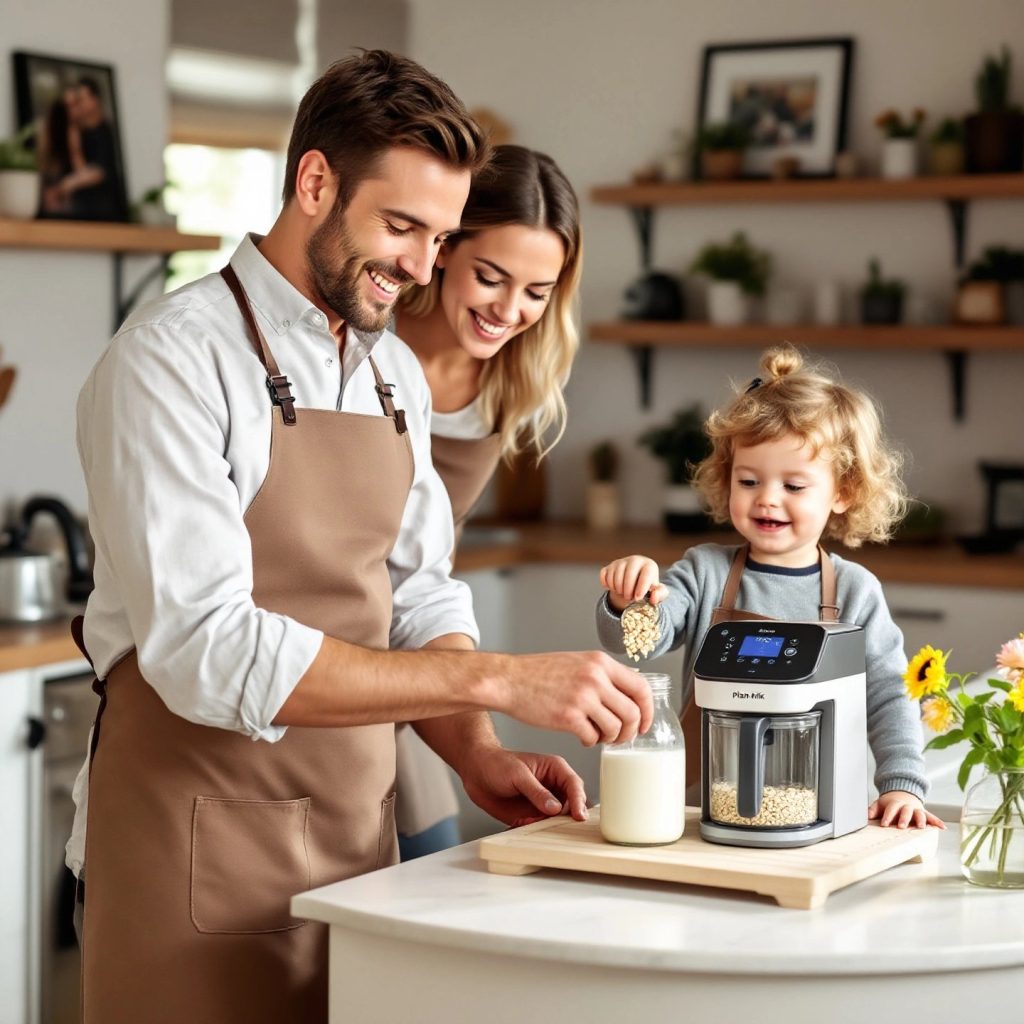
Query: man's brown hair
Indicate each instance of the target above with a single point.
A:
(364, 105)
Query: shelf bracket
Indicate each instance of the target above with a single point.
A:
(123, 303)
(644, 357)
(643, 220)
(958, 370)
(958, 217)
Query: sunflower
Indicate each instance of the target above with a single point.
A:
(926, 673)
(937, 714)
(1016, 697)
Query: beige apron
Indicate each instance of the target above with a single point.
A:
(727, 611)
(198, 837)
(426, 795)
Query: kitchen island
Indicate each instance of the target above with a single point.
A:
(442, 940)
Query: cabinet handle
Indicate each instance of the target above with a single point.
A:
(36, 733)
(919, 614)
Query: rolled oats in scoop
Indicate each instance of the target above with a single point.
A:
(640, 630)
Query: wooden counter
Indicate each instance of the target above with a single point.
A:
(571, 543)
(943, 564)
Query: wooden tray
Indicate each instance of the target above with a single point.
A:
(800, 878)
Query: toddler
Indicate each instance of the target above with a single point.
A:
(796, 456)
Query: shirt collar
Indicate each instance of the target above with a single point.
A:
(281, 303)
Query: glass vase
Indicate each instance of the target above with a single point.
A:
(992, 830)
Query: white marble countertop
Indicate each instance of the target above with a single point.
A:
(916, 918)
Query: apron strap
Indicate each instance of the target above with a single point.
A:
(386, 396)
(828, 610)
(277, 383)
(732, 584)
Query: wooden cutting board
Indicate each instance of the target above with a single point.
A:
(800, 878)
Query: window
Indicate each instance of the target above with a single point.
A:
(224, 192)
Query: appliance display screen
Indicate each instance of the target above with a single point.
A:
(760, 646)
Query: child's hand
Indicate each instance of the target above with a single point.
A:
(628, 579)
(902, 810)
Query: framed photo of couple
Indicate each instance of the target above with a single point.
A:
(73, 107)
(789, 97)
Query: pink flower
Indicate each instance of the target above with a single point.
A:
(1010, 659)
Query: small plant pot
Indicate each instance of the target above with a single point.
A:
(683, 512)
(980, 302)
(881, 309)
(19, 194)
(899, 158)
(1013, 295)
(946, 159)
(603, 505)
(721, 164)
(727, 304)
(994, 142)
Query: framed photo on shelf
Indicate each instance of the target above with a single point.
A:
(790, 97)
(73, 106)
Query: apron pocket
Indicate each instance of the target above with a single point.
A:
(249, 858)
(387, 843)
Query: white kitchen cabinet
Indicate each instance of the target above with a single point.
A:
(20, 783)
(972, 622)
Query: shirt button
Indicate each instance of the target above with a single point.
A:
(328, 361)
(318, 319)
(286, 323)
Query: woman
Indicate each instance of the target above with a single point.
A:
(495, 333)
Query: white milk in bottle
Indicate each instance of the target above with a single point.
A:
(643, 782)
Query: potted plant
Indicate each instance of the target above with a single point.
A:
(1000, 268)
(721, 146)
(681, 443)
(603, 506)
(946, 150)
(995, 134)
(19, 178)
(150, 209)
(881, 301)
(899, 148)
(738, 271)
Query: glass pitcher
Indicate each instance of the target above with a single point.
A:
(643, 782)
(763, 769)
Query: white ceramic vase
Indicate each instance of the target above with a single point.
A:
(19, 194)
(727, 304)
(899, 158)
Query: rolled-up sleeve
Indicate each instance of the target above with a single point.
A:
(427, 602)
(170, 536)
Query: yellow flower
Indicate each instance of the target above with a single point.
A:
(926, 673)
(1016, 696)
(937, 714)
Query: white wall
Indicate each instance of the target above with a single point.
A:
(56, 308)
(600, 84)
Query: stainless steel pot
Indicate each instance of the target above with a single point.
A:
(32, 583)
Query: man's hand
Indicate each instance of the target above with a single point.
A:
(519, 788)
(586, 693)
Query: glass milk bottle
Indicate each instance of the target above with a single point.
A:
(642, 782)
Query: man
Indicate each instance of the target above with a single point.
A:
(267, 525)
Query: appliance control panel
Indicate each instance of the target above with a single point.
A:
(770, 652)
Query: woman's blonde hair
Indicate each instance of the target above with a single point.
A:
(842, 423)
(521, 387)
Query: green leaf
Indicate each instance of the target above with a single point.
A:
(1009, 717)
(964, 700)
(984, 698)
(1000, 684)
(947, 739)
(973, 757)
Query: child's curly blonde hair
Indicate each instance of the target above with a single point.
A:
(834, 419)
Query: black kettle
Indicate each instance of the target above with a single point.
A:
(30, 581)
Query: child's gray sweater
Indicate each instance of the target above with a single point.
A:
(695, 585)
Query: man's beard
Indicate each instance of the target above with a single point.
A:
(338, 287)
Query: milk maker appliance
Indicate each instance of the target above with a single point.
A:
(783, 732)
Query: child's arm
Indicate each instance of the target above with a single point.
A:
(628, 579)
(894, 724)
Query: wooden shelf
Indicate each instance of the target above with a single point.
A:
(824, 190)
(682, 334)
(98, 237)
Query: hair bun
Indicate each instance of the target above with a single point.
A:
(780, 362)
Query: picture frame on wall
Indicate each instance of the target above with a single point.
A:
(72, 104)
(791, 97)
